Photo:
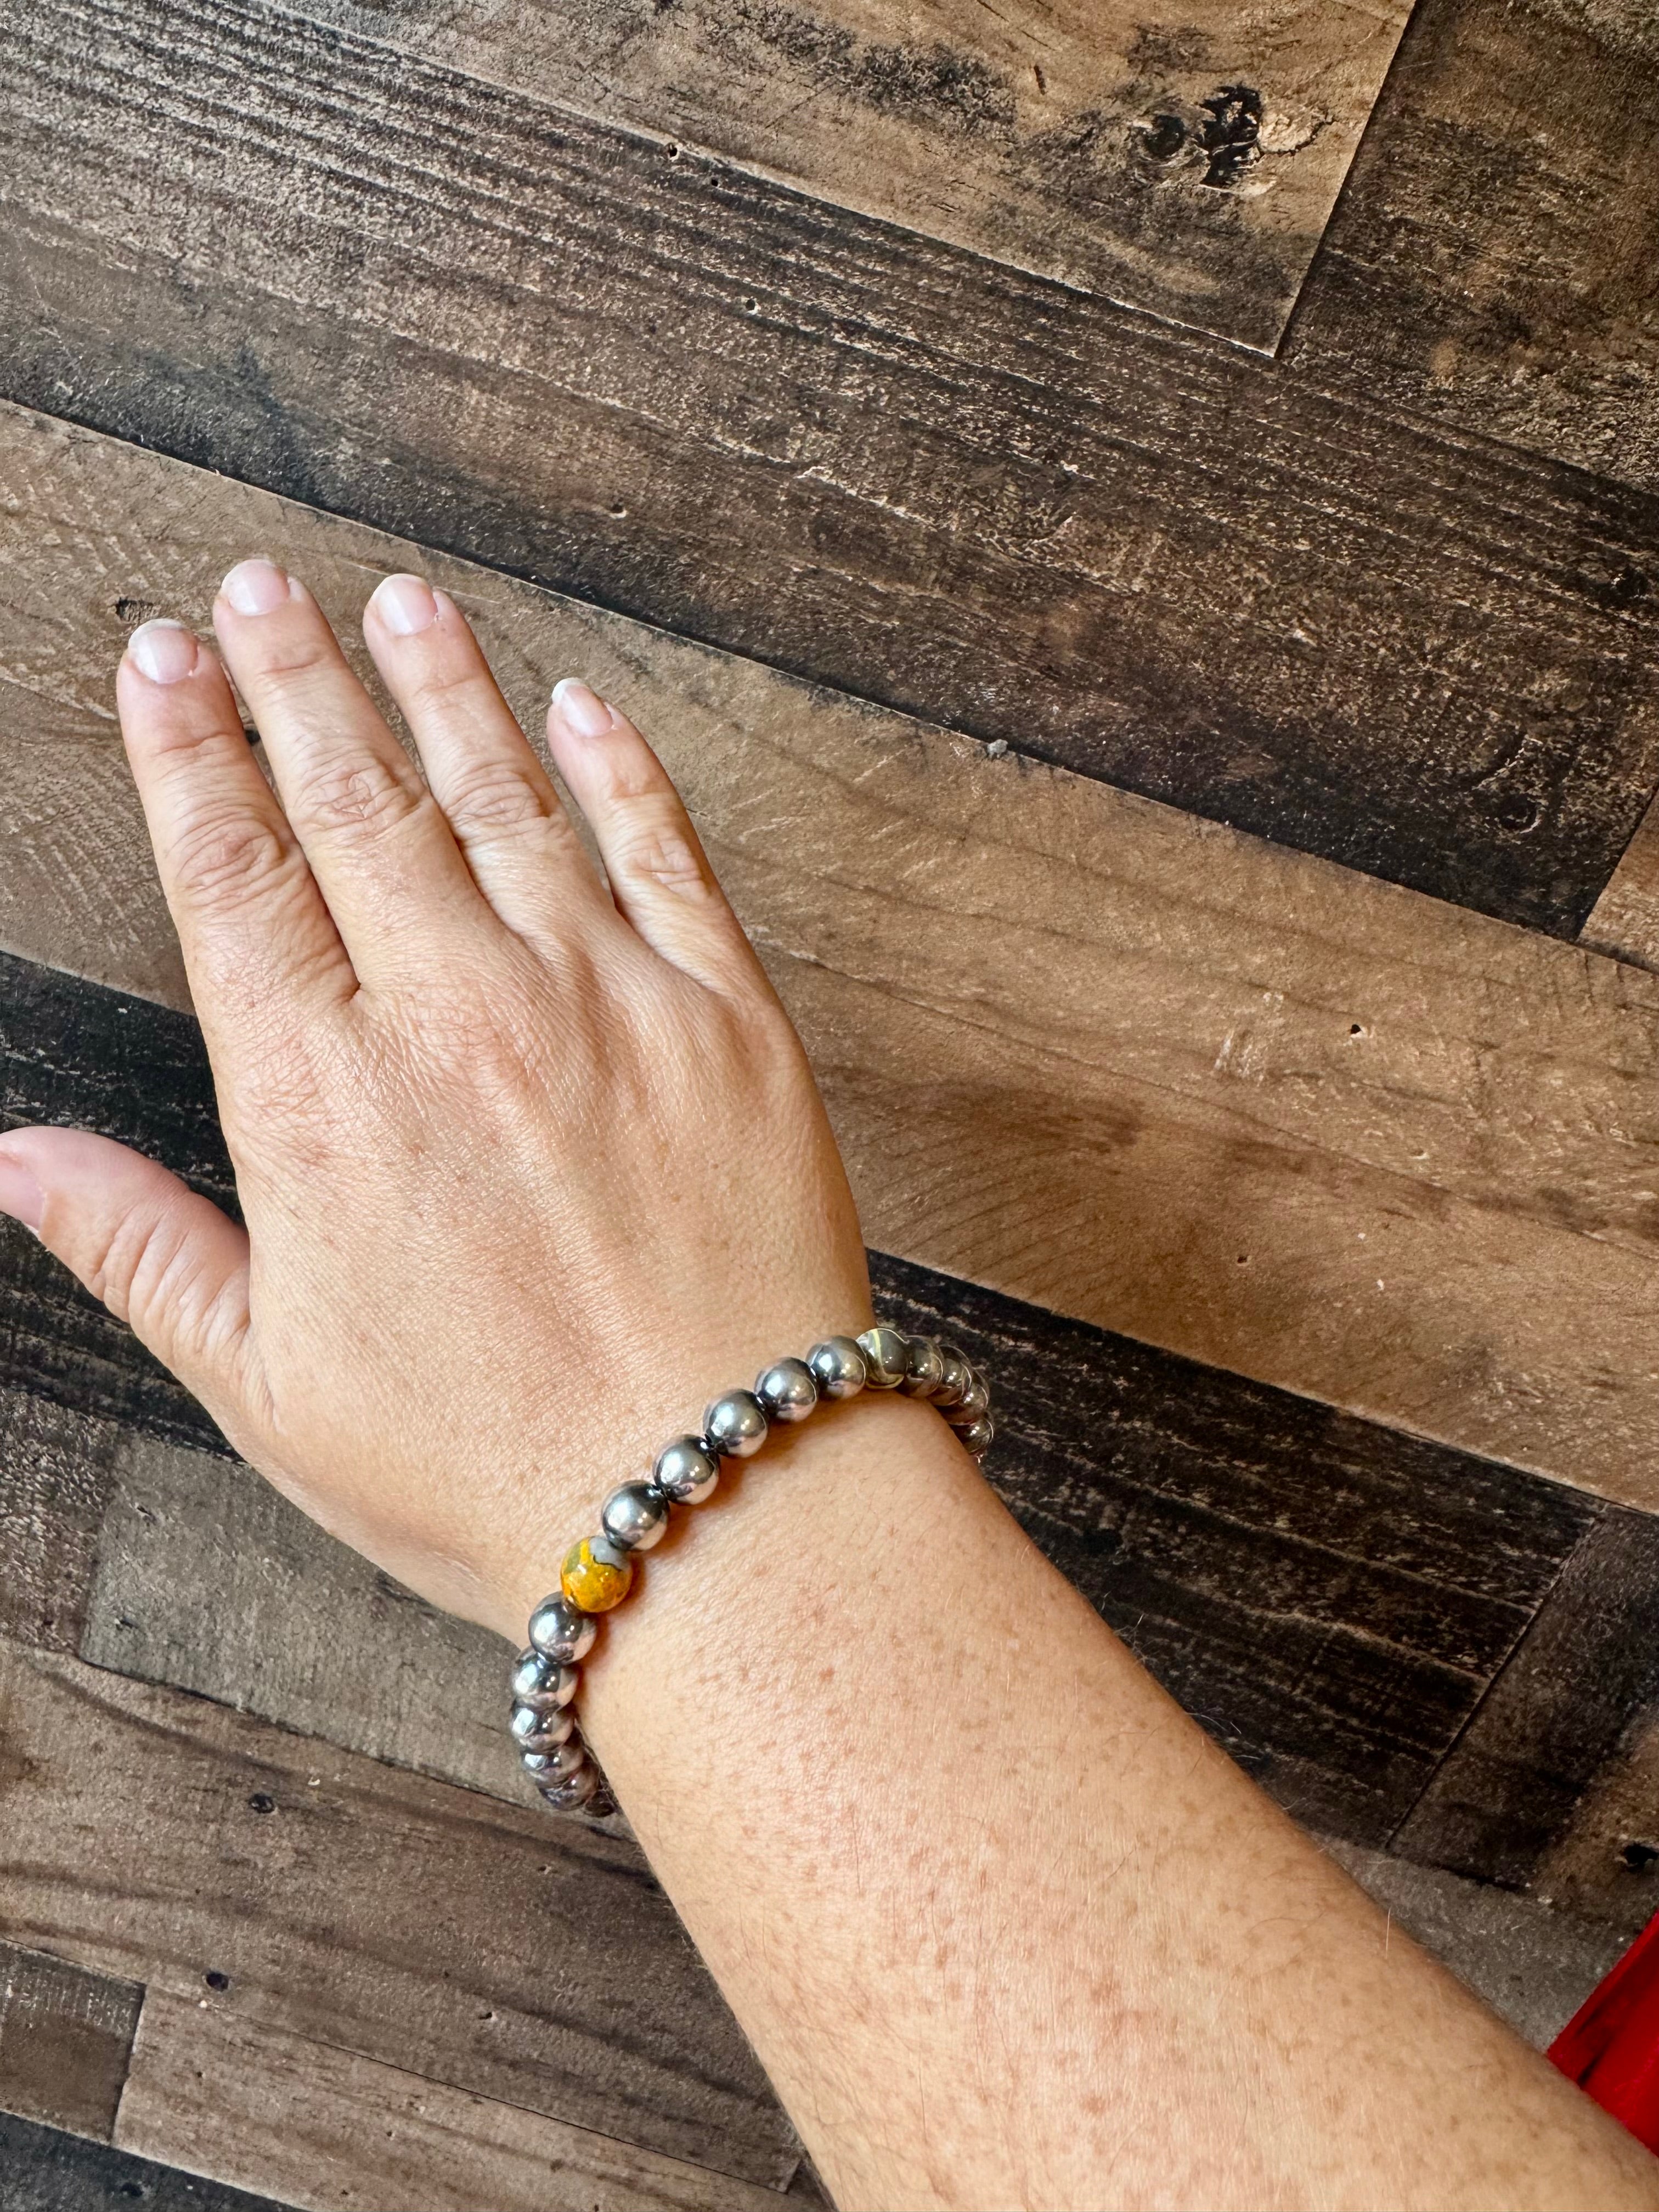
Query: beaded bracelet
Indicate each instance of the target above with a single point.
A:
(599, 1573)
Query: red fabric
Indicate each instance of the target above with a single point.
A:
(1610, 2047)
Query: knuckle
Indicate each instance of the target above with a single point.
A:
(450, 679)
(634, 775)
(657, 846)
(493, 796)
(292, 654)
(360, 797)
(224, 858)
(128, 1265)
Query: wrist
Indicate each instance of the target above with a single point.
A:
(943, 1401)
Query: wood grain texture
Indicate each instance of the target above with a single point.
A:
(1604, 1864)
(1555, 1717)
(1102, 1057)
(65, 2038)
(56, 1467)
(207, 1579)
(46, 2170)
(306, 260)
(251, 1871)
(330, 2131)
(1491, 263)
(1624, 920)
(1185, 159)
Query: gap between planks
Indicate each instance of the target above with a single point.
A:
(1105, 1057)
(321, 265)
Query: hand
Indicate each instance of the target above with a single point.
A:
(529, 1168)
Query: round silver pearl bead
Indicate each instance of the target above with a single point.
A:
(542, 1683)
(735, 1426)
(973, 1404)
(925, 1369)
(544, 1768)
(559, 1631)
(541, 1731)
(837, 1366)
(576, 1790)
(786, 1391)
(957, 1376)
(886, 1358)
(978, 1439)
(635, 1516)
(686, 1471)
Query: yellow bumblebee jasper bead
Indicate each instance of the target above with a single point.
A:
(596, 1575)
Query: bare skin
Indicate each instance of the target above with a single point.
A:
(530, 1169)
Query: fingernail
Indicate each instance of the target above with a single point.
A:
(584, 710)
(405, 605)
(20, 1196)
(164, 651)
(256, 587)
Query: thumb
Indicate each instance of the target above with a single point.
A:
(160, 1258)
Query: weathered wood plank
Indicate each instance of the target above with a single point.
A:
(46, 2171)
(256, 1873)
(1604, 1864)
(1533, 1964)
(1554, 1718)
(65, 2038)
(306, 260)
(1491, 263)
(1330, 1598)
(211, 1581)
(330, 2131)
(57, 1465)
(1624, 920)
(1187, 164)
(1102, 1057)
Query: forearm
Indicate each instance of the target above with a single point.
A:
(1005, 1926)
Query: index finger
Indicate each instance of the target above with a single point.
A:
(252, 923)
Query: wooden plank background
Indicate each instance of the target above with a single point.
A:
(912, 474)
(1139, 536)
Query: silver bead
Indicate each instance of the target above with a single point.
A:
(546, 1767)
(978, 1438)
(886, 1358)
(924, 1369)
(559, 1631)
(541, 1731)
(786, 1391)
(735, 1426)
(837, 1366)
(686, 1471)
(543, 1683)
(974, 1404)
(576, 1790)
(957, 1376)
(635, 1516)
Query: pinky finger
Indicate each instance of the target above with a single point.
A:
(659, 873)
